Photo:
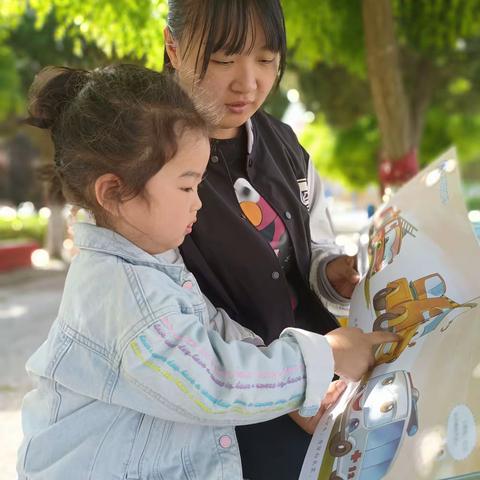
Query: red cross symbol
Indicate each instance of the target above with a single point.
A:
(356, 456)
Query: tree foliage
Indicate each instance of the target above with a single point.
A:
(10, 96)
(348, 155)
(11, 99)
(125, 28)
(121, 28)
(440, 58)
(436, 26)
(440, 61)
(327, 31)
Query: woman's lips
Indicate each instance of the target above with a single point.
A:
(238, 107)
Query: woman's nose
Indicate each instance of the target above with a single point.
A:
(245, 80)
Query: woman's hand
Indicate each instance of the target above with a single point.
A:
(342, 275)
(309, 424)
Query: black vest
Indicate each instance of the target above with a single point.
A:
(234, 266)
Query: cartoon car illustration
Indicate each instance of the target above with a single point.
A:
(385, 242)
(366, 436)
(402, 307)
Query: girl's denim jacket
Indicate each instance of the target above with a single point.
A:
(142, 378)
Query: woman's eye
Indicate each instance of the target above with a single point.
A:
(187, 189)
(267, 60)
(222, 62)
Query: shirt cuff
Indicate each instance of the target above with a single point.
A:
(319, 367)
(325, 287)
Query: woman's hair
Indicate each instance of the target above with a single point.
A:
(224, 25)
(122, 119)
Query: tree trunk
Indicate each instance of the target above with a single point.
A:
(56, 231)
(425, 81)
(388, 91)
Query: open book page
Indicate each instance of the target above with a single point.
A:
(417, 414)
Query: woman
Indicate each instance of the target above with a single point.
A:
(262, 248)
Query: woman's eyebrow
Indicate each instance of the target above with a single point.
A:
(190, 173)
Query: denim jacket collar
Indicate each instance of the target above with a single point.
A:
(98, 239)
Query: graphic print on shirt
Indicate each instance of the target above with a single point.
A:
(303, 187)
(264, 218)
(261, 215)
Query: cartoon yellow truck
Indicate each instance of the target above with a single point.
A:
(402, 307)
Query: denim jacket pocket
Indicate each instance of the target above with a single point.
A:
(187, 464)
(22, 460)
(134, 467)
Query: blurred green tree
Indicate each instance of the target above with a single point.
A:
(73, 32)
(10, 96)
(406, 67)
(409, 67)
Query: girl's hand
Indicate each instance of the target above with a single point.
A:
(353, 350)
(309, 424)
(342, 275)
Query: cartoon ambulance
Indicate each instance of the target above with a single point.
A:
(366, 436)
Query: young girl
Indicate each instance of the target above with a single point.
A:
(141, 377)
(272, 257)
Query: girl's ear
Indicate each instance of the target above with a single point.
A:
(171, 48)
(107, 188)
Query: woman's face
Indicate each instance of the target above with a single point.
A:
(236, 85)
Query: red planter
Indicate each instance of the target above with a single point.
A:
(16, 255)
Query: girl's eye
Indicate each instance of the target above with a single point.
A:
(267, 60)
(195, 186)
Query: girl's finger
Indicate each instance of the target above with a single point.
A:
(335, 389)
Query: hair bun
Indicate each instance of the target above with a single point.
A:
(38, 122)
(53, 90)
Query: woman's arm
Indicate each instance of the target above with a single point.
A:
(332, 274)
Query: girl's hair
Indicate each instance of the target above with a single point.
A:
(224, 25)
(121, 119)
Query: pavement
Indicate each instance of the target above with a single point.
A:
(29, 301)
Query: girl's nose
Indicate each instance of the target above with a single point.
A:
(197, 204)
